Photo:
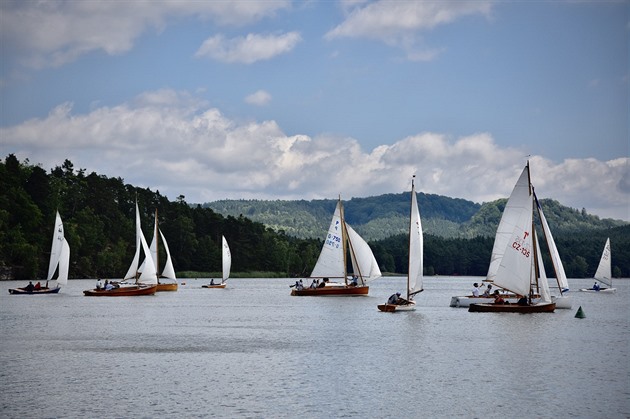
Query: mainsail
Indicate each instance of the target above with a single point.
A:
(226, 259)
(517, 205)
(416, 247)
(364, 264)
(558, 267)
(604, 271)
(59, 253)
(331, 261)
(148, 274)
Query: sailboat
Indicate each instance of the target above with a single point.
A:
(416, 252)
(514, 264)
(167, 281)
(59, 262)
(331, 264)
(226, 265)
(144, 282)
(604, 272)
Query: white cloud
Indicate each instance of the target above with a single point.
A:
(52, 33)
(399, 23)
(248, 49)
(172, 142)
(259, 98)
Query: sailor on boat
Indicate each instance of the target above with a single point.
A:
(475, 291)
(596, 286)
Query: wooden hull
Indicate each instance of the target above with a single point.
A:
(123, 291)
(22, 291)
(602, 290)
(331, 291)
(167, 287)
(512, 308)
(392, 308)
(214, 285)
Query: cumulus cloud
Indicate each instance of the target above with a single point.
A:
(248, 49)
(400, 23)
(53, 33)
(259, 98)
(172, 142)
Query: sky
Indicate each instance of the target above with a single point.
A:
(246, 99)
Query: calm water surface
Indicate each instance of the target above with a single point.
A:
(252, 350)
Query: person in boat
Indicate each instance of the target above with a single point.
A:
(30, 287)
(355, 281)
(522, 301)
(38, 286)
(108, 285)
(314, 284)
(497, 298)
(596, 286)
(99, 284)
(475, 291)
(488, 291)
(323, 283)
(394, 299)
(211, 281)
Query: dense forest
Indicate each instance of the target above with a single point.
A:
(98, 215)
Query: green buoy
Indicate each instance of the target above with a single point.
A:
(580, 313)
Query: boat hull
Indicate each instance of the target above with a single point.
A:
(466, 300)
(512, 308)
(122, 291)
(331, 291)
(22, 291)
(392, 308)
(602, 290)
(214, 285)
(167, 287)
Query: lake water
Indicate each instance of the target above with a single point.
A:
(253, 351)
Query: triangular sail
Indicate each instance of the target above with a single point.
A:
(558, 267)
(364, 264)
(416, 247)
(226, 259)
(519, 199)
(330, 263)
(169, 270)
(59, 253)
(148, 275)
(604, 270)
(515, 265)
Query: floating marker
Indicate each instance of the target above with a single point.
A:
(580, 313)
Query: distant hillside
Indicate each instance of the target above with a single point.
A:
(383, 216)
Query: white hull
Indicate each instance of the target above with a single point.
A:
(466, 300)
(563, 301)
(602, 290)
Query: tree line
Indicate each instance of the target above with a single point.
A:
(99, 214)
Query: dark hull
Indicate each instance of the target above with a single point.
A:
(123, 291)
(512, 308)
(331, 291)
(22, 291)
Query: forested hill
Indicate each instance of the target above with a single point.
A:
(379, 217)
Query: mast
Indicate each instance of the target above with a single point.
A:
(413, 191)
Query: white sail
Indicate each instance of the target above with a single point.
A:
(558, 267)
(149, 274)
(59, 253)
(515, 266)
(604, 271)
(227, 259)
(516, 204)
(416, 247)
(364, 264)
(169, 270)
(330, 263)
